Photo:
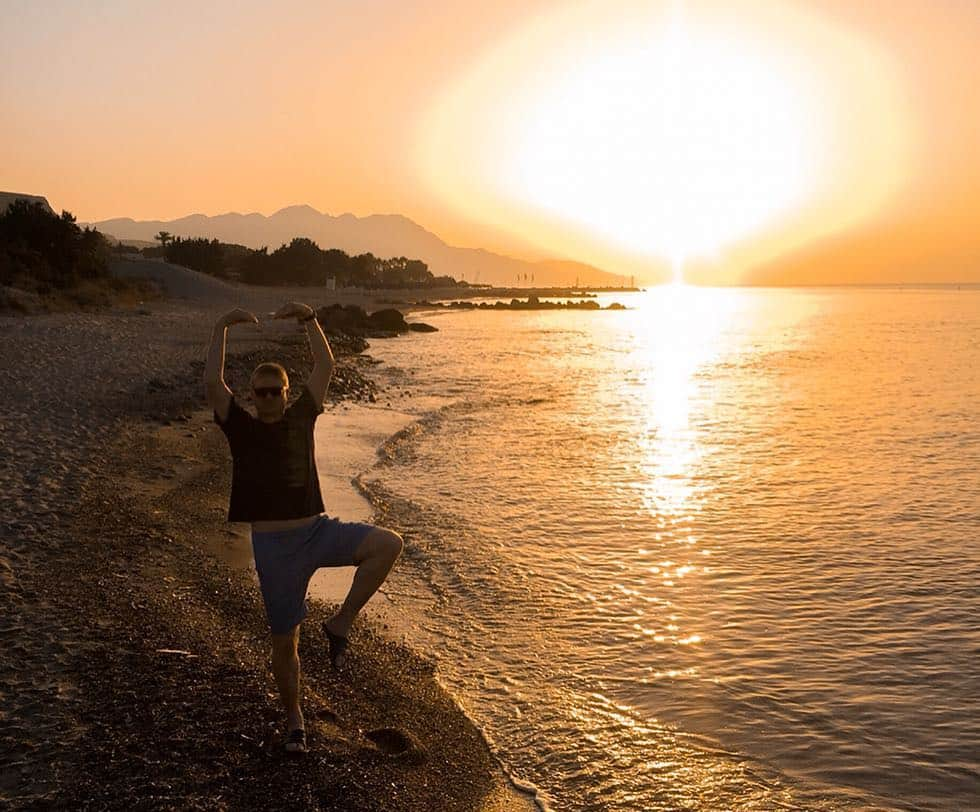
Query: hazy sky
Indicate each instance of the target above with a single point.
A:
(825, 140)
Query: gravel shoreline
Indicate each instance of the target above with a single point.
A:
(136, 669)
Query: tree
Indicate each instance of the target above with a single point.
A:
(256, 267)
(363, 269)
(163, 238)
(40, 250)
(200, 254)
(303, 262)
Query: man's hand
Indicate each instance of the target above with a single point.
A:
(237, 316)
(293, 310)
(218, 394)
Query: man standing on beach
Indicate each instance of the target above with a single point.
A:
(276, 488)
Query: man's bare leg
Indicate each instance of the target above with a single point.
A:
(286, 667)
(374, 558)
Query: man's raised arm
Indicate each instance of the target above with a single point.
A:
(217, 391)
(323, 360)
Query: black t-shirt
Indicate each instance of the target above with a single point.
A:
(273, 467)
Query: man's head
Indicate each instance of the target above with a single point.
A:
(270, 388)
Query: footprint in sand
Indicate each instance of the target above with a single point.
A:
(398, 743)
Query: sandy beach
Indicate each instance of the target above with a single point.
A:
(136, 669)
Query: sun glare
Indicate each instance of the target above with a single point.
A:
(670, 135)
(677, 140)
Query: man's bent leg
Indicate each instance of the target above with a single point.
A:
(374, 558)
(286, 667)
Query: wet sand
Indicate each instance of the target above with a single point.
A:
(135, 668)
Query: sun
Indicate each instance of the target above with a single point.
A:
(664, 134)
(677, 141)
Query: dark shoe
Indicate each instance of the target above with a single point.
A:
(338, 646)
(295, 741)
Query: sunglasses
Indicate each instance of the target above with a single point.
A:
(267, 391)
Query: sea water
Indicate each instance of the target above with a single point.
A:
(720, 550)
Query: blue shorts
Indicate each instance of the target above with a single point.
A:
(285, 560)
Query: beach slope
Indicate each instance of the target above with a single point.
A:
(135, 668)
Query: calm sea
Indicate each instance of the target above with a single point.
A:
(718, 551)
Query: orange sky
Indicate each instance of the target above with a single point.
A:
(156, 110)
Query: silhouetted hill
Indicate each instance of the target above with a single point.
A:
(384, 235)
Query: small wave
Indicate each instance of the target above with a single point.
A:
(400, 447)
(534, 401)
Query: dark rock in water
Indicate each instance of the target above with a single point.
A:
(389, 320)
(422, 327)
(341, 318)
(352, 320)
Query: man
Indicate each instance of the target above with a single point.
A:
(275, 487)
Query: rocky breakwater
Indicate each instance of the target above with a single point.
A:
(531, 303)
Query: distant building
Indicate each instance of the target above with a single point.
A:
(7, 198)
(331, 283)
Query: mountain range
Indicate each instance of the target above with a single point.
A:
(384, 235)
